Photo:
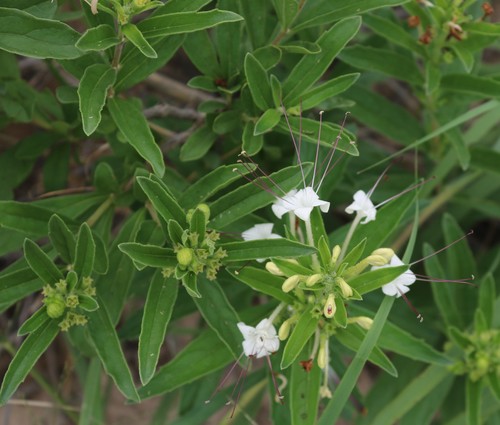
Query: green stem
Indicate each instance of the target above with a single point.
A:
(100, 210)
(344, 389)
(276, 311)
(348, 238)
(310, 241)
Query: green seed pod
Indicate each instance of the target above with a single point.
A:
(185, 257)
(55, 306)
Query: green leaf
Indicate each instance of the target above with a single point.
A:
(107, 345)
(40, 263)
(323, 12)
(301, 47)
(198, 144)
(487, 297)
(37, 319)
(133, 125)
(162, 201)
(62, 239)
(85, 251)
(327, 90)
(352, 338)
(248, 198)
(149, 255)
(190, 364)
(267, 121)
(415, 391)
(26, 218)
(304, 392)
(200, 49)
(91, 409)
(175, 231)
(92, 93)
(26, 357)
(458, 142)
(219, 314)
(157, 312)
(268, 56)
(190, 282)
(226, 122)
(264, 282)
(471, 84)
(485, 159)
(211, 183)
(87, 303)
(303, 330)
(375, 279)
(135, 67)
(484, 28)
(252, 144)
(311, 67)
(198, 224)
(382, 60)
(265, 248)
(101, 37)
(177, 23)
(24, 34)
(353, 256)
(135, 36)
(258, 82)
(17, 285)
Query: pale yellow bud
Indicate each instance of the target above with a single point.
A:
(324, 392)
(185, 256)
(322, 355)
(365, 322)
(344, 288)
(376, 260)
(335, 254)
(330, 308)
(387, 253)
(284, 330)
(274, 269)
(313, 279)
(290, 283)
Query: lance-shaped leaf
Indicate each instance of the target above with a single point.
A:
(248, 198)
(190, 282)
(157, 312)
(303, 330)
(219, 314)
(26, 357)
(62, 239)
(17, 285)
(92, 92)
(190, 364)
(98, 38)
(40, 263)
(149, 255)
(374, 279)
(265, 248)
(108, 349)
(178, 23)
(91, 408)
(85, 251)
(133, 125)
(263, 281)
(137, 39)
(198, 224)
(311, 67)
(327, 90)
(24, 34)
(37, 319)
(258, 82)
(162, 201)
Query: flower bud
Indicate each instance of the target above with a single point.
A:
(55, 306)
(313, 279)
(322, 354)
(345, 289)
(330, 308)
(363, 321)
(274, 269)
(185, 256)
(376, 260)
(325, 392)
(284, 330)
(72, 301)
(387, 253)
(335, 254)
(290, 283)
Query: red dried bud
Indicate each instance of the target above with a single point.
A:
(306, 364)
(487, 9)
(413, 21)
(426, 37)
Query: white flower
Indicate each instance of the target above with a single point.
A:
(401, 284)
(300, 203)
(283, 205)
(260, 231)
(363, 207)
(261, 340)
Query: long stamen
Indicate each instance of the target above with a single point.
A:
(405, 191)
(464, 281)
(317, 147)
(257, 177)
(242, 378)
(412, 308)
(224, 379)
(262, 171)
(442, 249)
(297, 149)
(257, 182)
(370, 192)
(237, 272)
(280, 397)
(332, 151)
